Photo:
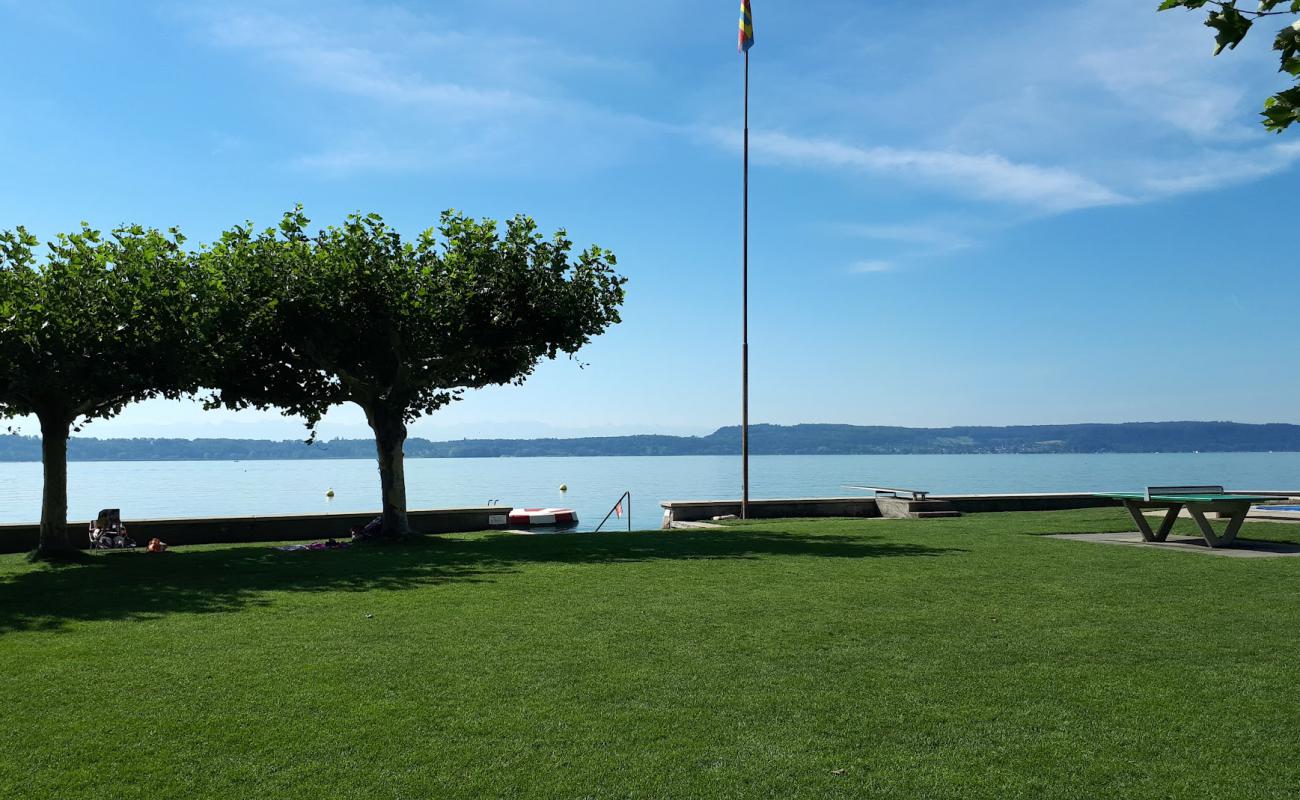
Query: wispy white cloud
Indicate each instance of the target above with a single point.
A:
(987, 176)
(939, 237)
(1158, 67)
(1056, 109)
(347, 63)
(1034, 187)
(910, 243)
(425, 96)
(1148, 79)
(871, 266)
(1072, 80)
(1217, 169)
(1043, 116)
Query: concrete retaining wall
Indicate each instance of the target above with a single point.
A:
(983, 503)
(697, 510)
(290, 527)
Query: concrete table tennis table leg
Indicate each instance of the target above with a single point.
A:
(1144, 527)
(1236, 512)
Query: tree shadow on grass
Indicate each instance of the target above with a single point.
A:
(138, 585)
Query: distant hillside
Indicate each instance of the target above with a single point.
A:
(1129, 437)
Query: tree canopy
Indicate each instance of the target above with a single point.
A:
(93, 324)
(1231, 24)
(355, 313)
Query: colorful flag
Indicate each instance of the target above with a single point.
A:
(618, 509)
(746, 27)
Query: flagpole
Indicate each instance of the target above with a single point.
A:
(744, 332)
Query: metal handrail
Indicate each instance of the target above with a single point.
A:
(613, 508)
(886, 491)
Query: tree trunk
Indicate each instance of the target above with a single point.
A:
(390, 437)
(54, 541)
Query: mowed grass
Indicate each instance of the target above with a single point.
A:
(800, 658)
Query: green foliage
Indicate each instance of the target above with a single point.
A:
(355, 313)
(1231, 25)
(1230, 28)
(98, 323)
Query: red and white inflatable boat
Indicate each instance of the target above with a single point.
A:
(543, 517)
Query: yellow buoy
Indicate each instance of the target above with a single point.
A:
(564, 487)
(330, 494)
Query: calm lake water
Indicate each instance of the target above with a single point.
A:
(144, 489)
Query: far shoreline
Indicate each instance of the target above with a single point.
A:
(1129, 438)
(645, 455)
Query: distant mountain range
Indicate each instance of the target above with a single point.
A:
(1128, 437)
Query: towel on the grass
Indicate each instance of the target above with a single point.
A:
(331, 544)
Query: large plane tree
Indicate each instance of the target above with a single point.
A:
(354, 313)
(88, 325)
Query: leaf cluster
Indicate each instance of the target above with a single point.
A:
(1231, 24)
(96, 321)
(356, 313)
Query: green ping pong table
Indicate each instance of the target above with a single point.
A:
(1198, 500)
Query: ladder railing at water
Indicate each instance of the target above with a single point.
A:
(617, 506)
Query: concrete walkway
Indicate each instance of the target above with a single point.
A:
(1241, 548)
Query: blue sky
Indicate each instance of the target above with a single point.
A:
(961, 213)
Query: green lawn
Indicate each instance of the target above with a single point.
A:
(808, 658)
